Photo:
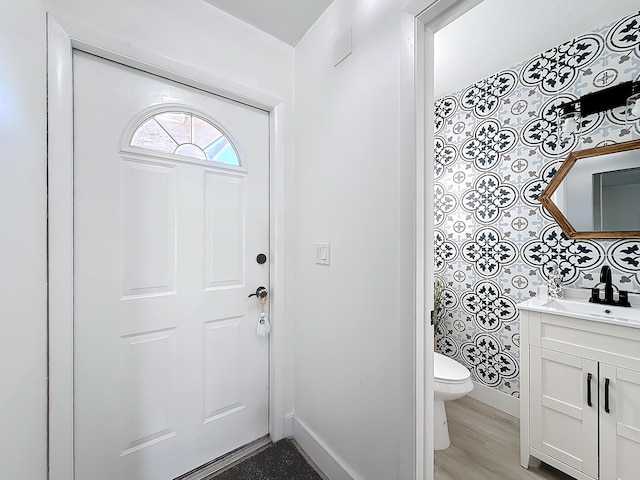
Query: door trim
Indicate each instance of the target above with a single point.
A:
(61, 41)
(420, 20)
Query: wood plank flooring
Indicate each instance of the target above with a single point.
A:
(485, 446)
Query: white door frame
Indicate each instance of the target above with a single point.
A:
(421, 19)
(61, 41)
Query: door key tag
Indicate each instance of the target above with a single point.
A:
(263, 323)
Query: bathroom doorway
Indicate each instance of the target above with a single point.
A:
(493, 154)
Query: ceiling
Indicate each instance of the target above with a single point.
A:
(287, 20)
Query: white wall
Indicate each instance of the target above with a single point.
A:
(498, 34)
(190, 32)
(354, 321)
(23, 320)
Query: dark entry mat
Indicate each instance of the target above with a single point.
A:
(280, 461)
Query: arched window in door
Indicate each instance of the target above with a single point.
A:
(184, 134)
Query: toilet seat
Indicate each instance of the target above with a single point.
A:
(447, 370)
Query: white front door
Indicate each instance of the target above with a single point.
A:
(170, 213)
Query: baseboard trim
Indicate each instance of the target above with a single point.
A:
(326, 459)
(288, 425)
(496, 399)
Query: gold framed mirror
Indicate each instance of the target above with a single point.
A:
(596, 192)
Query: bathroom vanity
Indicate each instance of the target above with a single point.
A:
(580, 388)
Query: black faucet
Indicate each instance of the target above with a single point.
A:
(605, 277)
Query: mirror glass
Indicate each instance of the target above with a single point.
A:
(596, 192)
(613, 194)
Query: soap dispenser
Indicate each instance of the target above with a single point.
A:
(554, 285)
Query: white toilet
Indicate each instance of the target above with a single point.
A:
(451, 380)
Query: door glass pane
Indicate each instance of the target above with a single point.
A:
(151, 136)
(190, 150)
(204, 134)
(222, 151)
(177, 124)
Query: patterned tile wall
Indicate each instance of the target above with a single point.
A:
(497, 145)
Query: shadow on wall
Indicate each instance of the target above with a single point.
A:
(497, 145)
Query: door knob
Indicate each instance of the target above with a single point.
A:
(261, 292)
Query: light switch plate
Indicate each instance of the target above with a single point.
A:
(323, 253)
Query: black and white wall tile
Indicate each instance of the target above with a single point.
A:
(498, 143)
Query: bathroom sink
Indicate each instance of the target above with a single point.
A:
(583, 309)
(625, 314)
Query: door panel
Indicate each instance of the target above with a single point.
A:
(169, 372)
(620, 427)
(148, 215)
(150, 409)
(224, 259)
(559, 400)
(221, 372)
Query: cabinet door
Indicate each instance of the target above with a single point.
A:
(563, 425)
(620, 425)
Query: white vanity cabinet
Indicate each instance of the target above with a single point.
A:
(580, 395)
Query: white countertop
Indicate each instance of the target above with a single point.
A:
(575, 304)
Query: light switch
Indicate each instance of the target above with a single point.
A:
(323, 252)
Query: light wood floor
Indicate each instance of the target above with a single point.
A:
(485, 446)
